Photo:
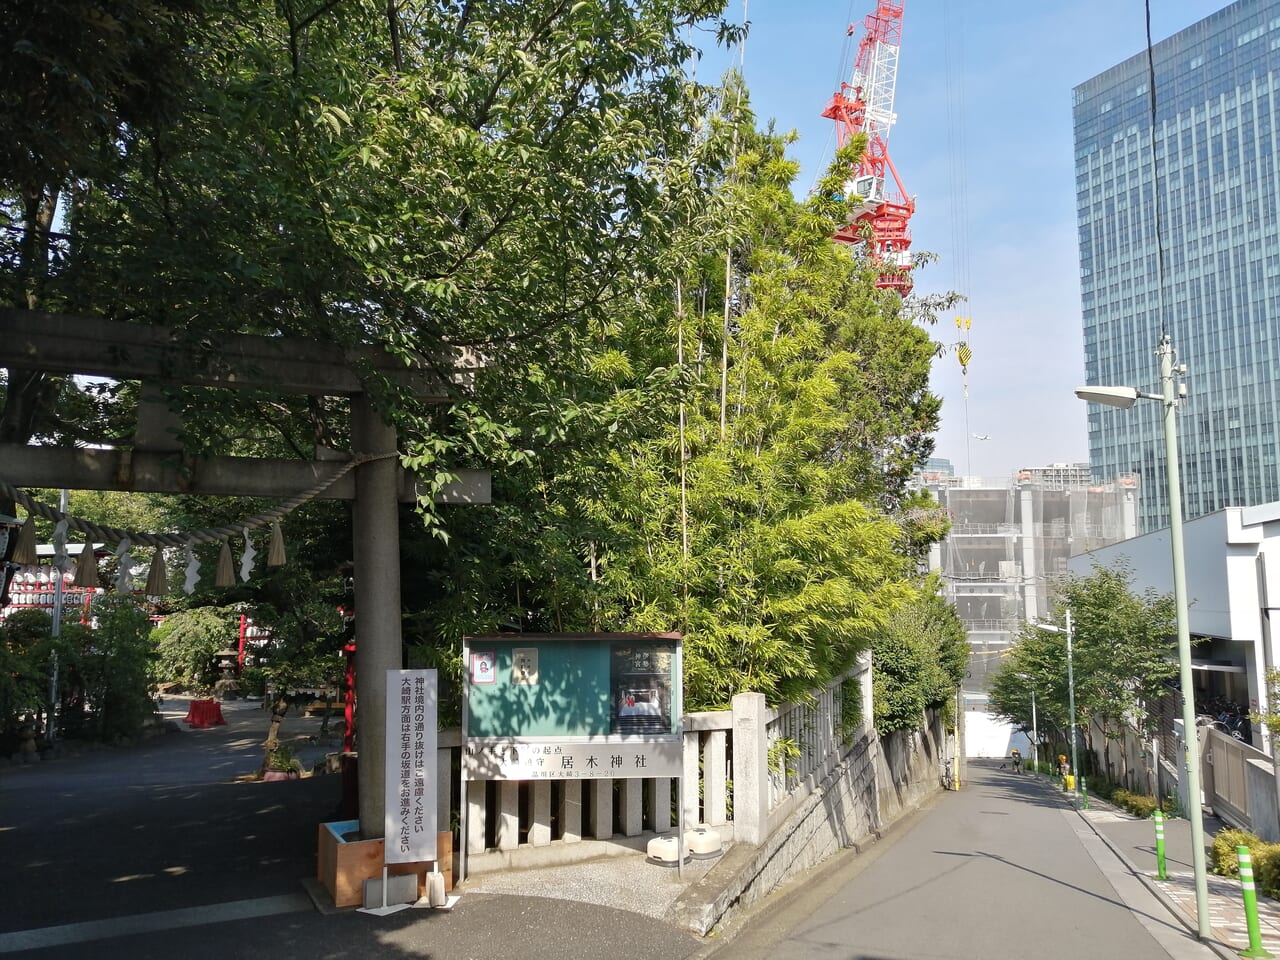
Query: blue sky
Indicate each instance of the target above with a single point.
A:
(983, 140)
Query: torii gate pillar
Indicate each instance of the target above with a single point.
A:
(376, 535)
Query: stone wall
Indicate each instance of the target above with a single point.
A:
(909, 767)
(875, 783)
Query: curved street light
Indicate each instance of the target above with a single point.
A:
(1125, 398)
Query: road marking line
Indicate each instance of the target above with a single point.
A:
(89, 930)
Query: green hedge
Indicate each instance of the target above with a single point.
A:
(1225, 861)
(1139, 804)
(1265, 856)
(1136, 803)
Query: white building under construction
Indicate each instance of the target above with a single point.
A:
(1010, 541)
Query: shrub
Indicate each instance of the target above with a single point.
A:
(253, 682)
(1138, 804)
(1225, 861)
(283, 759)
(1142, 806)
(1266, 869)
(115, 697)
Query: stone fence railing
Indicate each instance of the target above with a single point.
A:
(745, 770)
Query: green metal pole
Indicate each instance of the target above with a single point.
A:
(1084, 795)
(1250, 905)
(1161, 872)
(1071, 698)
(1195, 812)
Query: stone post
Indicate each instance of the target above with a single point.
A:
(750, 769)
(376, 536)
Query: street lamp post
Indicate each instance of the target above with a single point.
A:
(1035, 737)
(1125, 398)
(1035, 732)
(1071, 701)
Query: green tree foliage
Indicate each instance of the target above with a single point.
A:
(1122, 653)
(798, 528)
(919, 660)
(186, 643)
(103, 672)
(702, 413)
(420, 177)
(27, 646)
(113, 671)
(81, 83)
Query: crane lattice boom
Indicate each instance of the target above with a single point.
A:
(865, 105)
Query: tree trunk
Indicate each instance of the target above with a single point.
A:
(279, 707)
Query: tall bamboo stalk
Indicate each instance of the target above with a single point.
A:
(684, 450)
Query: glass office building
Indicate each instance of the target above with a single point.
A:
(1217, 87)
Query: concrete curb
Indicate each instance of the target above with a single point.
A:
(1221, 949)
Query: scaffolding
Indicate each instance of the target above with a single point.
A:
(1010, 542)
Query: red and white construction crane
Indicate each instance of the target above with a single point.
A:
(865, 105)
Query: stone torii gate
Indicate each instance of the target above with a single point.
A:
(63, 345)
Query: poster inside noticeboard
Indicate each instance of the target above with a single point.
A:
(640, 675)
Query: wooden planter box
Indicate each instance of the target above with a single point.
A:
(344, 865)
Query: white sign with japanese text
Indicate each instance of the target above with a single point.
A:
(410, 805)
(571, 760)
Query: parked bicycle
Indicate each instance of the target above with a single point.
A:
(948, 779)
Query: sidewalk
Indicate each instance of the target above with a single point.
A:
(1134, 841)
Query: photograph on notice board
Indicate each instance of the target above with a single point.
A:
(640, 685)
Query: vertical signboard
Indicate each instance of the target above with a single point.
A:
(410, 824)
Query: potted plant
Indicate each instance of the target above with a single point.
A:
(282, 763)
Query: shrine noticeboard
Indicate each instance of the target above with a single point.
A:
(572, 706)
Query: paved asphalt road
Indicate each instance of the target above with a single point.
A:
(1002, 870)
(150, 853)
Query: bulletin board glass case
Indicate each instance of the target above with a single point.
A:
(572, 706)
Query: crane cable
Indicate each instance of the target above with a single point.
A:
(961, 279)
(843, 72)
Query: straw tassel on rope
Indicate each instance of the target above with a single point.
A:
(87, 568)
(275, 551)
(24, 552)
(226, 576)
(157, 576)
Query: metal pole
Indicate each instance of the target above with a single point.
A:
(1035, 735)
(1195, 814)
(1071, 702)
(59, 561)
